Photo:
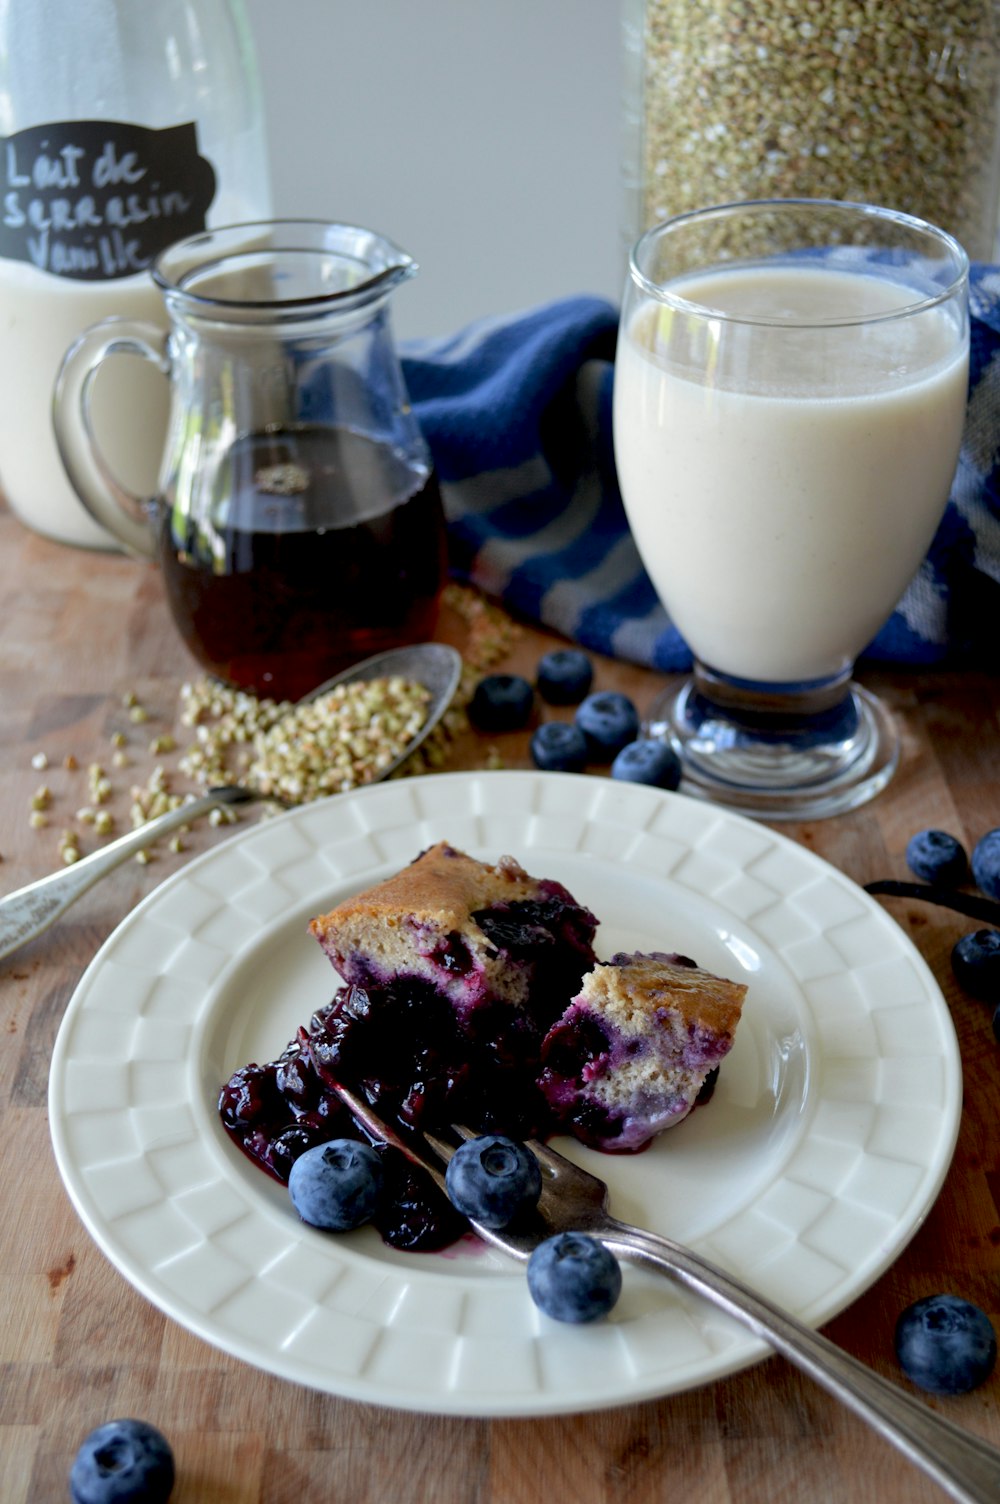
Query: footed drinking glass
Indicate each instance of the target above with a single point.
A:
(790, 390)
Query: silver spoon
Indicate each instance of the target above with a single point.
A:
(30, 910)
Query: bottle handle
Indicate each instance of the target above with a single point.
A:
(126, 517)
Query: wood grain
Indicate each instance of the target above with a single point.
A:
(77, 1344)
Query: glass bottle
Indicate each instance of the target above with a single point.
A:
(125, 126)
(896, 105)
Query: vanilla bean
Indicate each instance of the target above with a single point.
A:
(947, 898)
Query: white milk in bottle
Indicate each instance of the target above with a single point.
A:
(124, 128)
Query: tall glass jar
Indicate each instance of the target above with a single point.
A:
(888, 103)
(125, 126)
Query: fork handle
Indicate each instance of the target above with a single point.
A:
(966, 1467)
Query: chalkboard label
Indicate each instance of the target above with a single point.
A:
(98, 199)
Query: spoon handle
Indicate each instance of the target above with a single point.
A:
(966, 1467)
(29, 911)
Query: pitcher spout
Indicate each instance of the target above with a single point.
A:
(290, 267)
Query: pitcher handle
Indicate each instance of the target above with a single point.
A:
(127, 517)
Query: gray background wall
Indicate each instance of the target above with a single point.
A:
(483, 135)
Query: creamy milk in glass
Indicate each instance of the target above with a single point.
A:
(783, 486)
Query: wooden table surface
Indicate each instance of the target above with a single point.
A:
(78, 1345)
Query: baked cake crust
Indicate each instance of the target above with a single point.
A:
(442, 886)
(633, 991)
(478, 932)
(634, 1049)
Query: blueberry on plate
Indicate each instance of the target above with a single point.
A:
(945, 1344)
(935, 856)
(651, 762)
(491, 1179)
(986, 864)
(573, 1277)
(559, 747)
(564, 676)
(975, 960)
(123, 1462)
(609, 721)
(290, 1144)
(337, 1185)
(501, 702)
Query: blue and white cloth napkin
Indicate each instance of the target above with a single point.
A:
(517, 413)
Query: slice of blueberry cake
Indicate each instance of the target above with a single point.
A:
(636, 1048)
(480, 934)
(454, 970)
(454, 1006)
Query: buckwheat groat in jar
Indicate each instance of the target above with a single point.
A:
(894, 104)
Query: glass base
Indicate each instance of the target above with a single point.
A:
(787, 753)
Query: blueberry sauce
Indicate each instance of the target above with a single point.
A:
(403, 1049)
(275, 1112)
(453, 955)
(550, 935)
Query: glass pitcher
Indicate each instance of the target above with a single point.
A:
(298, 522)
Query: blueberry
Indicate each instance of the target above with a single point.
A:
(573, 1277)
(648, 761)
(986, 864)
(501, 702)
(491, 1179)
(123, 1462)
(937, 857)
(337, 1185)
(559, 747)
(290, 1144)
(249, 1096)
(564, 676)
(609, 721)
(975, 960)
(945, 1344)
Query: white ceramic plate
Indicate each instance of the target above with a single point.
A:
(827, 1139)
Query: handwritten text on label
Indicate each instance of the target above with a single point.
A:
(98, 199)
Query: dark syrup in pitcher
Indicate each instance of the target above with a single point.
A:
(314, 548)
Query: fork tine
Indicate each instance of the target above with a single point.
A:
(440, 1145)
(550, 1159)
(542, 1152)
(420, 1151)
(555, 1165)
(415, 1148)
(552, 1163)
(432, 1152)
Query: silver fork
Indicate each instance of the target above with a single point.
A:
(967, 1468)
